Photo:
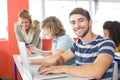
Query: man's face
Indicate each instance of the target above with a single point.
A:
(80, 25)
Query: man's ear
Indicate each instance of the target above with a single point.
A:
(90, 22)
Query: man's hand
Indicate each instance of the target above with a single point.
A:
(49, 68)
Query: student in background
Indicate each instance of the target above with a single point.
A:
(53, 29)
(111, 29)
(93, 53)
(26, 31)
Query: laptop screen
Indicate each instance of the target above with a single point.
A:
(24, 58)
(27, 67)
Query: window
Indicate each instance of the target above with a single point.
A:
(61, 9)
(3, 19)
(35, 9)
(105, 10)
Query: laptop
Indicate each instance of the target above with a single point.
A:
(31, 70)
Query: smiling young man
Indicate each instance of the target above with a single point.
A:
(93, 54)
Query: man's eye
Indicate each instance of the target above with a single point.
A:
(81, 20)
(72, 22)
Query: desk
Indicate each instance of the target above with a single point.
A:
(117, 57)
(20, 68)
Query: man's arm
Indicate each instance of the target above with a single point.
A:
(94, 70)
(64, 58)
(48, 59)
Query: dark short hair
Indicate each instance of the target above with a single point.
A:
(82, 12)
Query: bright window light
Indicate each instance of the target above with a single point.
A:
(61, 9)
(3, 20)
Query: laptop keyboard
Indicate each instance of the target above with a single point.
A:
(34, 69)
(36, 76)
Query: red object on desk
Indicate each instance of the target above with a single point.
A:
(46, 44)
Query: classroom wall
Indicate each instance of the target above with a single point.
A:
(4, 59)
(14, 7)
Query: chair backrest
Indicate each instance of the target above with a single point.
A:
(115, 71)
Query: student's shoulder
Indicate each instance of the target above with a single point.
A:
(107, 41)
(101, 39)
(37, 27)
(65, 36)
(17, 25)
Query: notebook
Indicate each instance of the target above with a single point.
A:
(31, 70)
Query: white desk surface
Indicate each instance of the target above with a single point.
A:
(117, 55)
(24, 76)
